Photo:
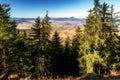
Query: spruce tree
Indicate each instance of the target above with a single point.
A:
(22, 61)
(56, 53)
(67, 57)
(4, 24)
(111, 37)
(36, 38)
(46, 27)
(7, 31)
(91, 40)
(40, 36)
(75, 51)
(99, 41)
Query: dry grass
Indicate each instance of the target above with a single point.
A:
(24, 25)
(64, 28)
(11, 76)
(113, 76)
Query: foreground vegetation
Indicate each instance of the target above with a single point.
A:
(94, 50)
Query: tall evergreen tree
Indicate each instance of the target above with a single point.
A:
(12, 45)
(67, 57)
(41, 39)
(7, 31)
(22, 61)
(36, 37)
(37, 34)
(56, 53)
(4, 24)
(99, 40)
(111, 37)
(46, 27)
(75, 51)
(91, 40)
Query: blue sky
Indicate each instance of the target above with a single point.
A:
(56, 8)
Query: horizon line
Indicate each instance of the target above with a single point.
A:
(50, 17)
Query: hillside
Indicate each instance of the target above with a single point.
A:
(65, 28)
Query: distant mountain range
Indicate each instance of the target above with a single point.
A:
(73, 19)
(20, 20)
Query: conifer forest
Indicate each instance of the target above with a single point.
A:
(42, 56)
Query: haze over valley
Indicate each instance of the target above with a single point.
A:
(65, 26)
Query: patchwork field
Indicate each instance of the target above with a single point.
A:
(65, 28)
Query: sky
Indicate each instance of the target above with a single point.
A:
(56, 8)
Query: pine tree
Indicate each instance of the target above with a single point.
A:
(75, 51)
(22, 61)
(67, 57)
(46, 27)
(4, 22)
(41, 40)
(99, 42)
(111, 37)
(7, 31)
(91, 40)
(115, 63)
(56, 53)
(36, 37)
(37, 34)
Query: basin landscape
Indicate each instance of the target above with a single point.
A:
(59, 40)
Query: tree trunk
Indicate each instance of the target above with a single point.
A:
(4, 58)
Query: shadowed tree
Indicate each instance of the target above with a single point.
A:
(40, 41)
(75, 51)
(67, 57)
(56, 53)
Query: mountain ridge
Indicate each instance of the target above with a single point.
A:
(73, 19)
